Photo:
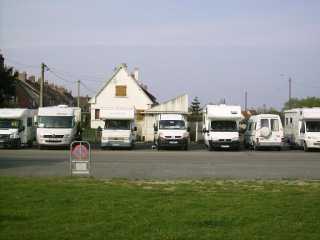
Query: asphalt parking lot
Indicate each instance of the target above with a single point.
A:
(145, 163)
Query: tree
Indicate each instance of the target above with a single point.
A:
(195, 110)
(304, 102)
(8, 79)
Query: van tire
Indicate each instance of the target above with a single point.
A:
(210, 148)
(305, 147)
(185, 147)
(254, 146)
(18, 144)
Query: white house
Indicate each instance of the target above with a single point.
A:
(177, 105)
(123, 89)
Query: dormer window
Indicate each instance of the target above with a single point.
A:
(121, 91)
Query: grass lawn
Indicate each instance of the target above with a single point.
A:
(80, 208)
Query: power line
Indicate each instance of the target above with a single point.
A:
(86, 87)
(58, 76)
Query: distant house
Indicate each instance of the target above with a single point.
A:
(123, 89)
(27, 93)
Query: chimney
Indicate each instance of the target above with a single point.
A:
(135, 73)
(22, 76)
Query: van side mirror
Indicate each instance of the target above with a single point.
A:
(21, 129)
(155, 128)
(99, 129)
(188, 129)
(135, 129)
(204, 130)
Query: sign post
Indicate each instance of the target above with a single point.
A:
(80, 158)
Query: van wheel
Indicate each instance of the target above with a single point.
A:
(210, 148)
(305, 147)
(254, 147)
(186, 147)
(18, 144)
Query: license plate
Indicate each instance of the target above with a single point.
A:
(173, 142)
(225, 146)
(115, 144)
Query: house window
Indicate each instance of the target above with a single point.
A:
(96, 113)
(29, 122)
(121, 91)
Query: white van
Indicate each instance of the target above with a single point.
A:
(264, 130)
(221, 126)
(171, 130)
(119, 128)
(58, 125)
(302, 127)
(17, 127)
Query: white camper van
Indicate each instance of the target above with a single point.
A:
(171, 130)
(221, 126)
(58, 125)
(264, 130)
(302, 127)
(119, 128)
(16, 127)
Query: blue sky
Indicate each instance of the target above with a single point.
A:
(209, 49)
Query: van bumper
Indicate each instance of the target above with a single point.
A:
(54, 142)
(224, 144)
(270, 144)
(167, 143)
(9, 142)
(116, 144)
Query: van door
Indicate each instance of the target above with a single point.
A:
(302, 132)
(275, 130)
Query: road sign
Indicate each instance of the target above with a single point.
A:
(80, 158)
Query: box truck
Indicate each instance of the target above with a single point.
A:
(302, 127)
(264, 130)
(119, 127)
(17, 127)
(171, 130)
(221, 126)
(58, 125)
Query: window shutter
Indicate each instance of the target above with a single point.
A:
(121, 91)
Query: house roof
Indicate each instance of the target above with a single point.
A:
(124, 66)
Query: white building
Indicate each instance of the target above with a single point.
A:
(123, 89)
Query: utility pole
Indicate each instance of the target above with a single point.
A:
(245, 100)
(78, 100)
(290, 82)
(41, 85)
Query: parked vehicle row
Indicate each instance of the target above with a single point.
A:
(60, 125)
(49, 126)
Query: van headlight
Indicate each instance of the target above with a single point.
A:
(14, 135)
(66, 135)
(235, 139)
(185, 135)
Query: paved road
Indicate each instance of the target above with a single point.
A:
(150, 164)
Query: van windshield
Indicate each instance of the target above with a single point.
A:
(117, 124)
(171, 124)
(55, 122)
(313, 126)
(224, 126)
(10, 123)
